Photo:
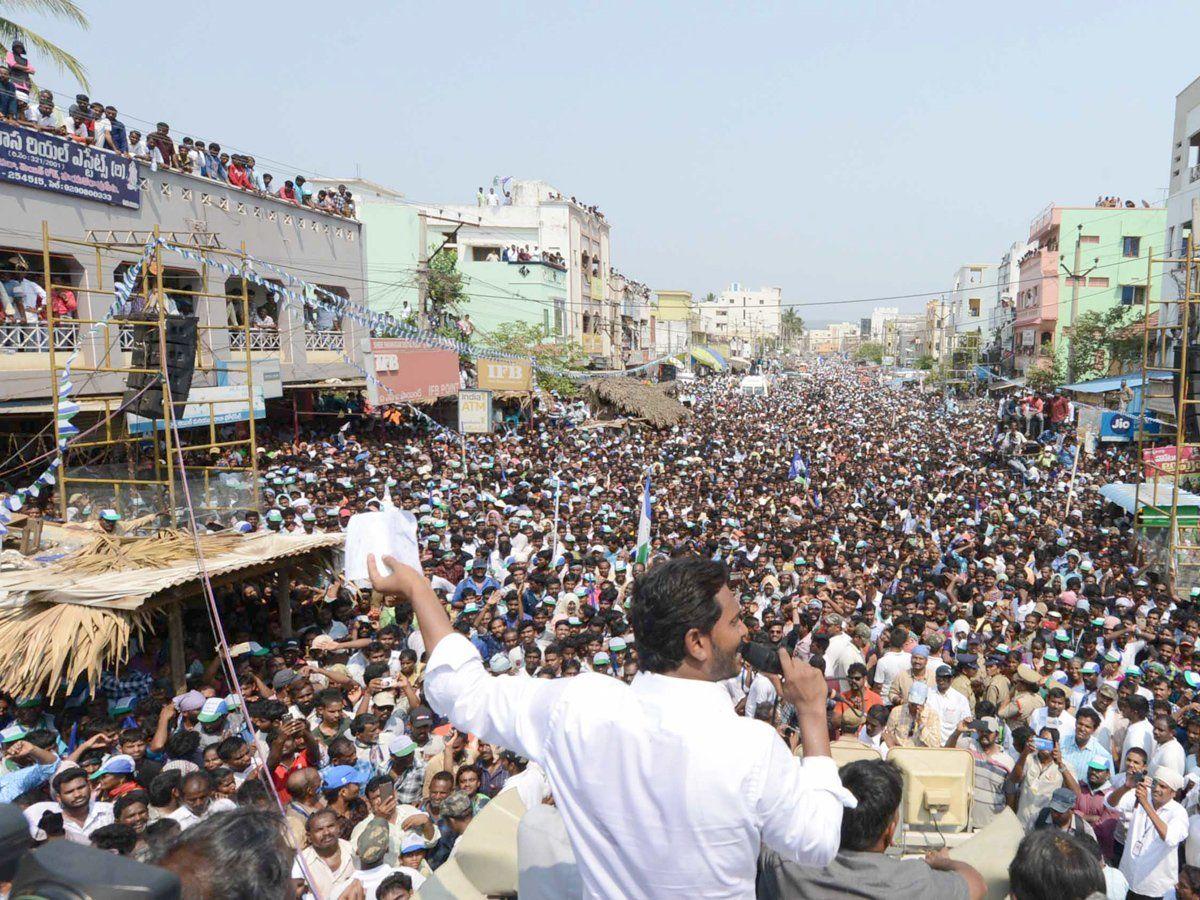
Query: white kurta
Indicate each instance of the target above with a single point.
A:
(664, 790)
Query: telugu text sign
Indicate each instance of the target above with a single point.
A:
(52, 163)
(407, 371)
(495, 375)
(1160, 461)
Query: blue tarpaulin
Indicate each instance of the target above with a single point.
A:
(1113, 382)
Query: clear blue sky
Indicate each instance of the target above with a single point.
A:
(843, 151)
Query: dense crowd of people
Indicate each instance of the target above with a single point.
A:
(956, 586)
(98, 125)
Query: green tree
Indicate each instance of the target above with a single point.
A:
(791, 326)
(872, 351)
(62, 9)
(444, 291)
(1047, 376)
(1106, 341)
(925, 362)
(535, 341)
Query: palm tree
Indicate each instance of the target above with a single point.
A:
(63, 9)
(791, 324)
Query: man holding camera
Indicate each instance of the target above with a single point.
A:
(663, 789)
(1155, 826)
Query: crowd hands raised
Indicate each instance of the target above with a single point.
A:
(947, 597)
(98, 125)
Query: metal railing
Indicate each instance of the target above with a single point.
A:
(260, 339)
(34, 337)
(324, 340)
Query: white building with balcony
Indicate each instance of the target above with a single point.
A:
(311, 345)
(880, 316)
(969, 306)
(567, 249)
(999, 349)
(1184, 189)
(742, 313)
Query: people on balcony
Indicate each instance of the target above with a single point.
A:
(97, 125)
(262, 319)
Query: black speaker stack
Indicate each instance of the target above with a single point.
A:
(180, 340)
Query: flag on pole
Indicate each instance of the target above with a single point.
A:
(643, 535)
(798, 468)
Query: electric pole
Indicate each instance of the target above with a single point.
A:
(1076, 277)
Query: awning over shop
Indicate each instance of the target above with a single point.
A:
(707, 356)
(1113, 382)
(1152, 503)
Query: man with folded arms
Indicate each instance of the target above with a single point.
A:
(664, 790)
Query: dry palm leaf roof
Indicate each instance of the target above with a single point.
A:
(625, 396)
(73, 618)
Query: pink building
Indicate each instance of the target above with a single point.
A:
(1037, 291)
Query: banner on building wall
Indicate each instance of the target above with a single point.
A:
(207, 406)
(52, 163)
(497, 375)
(408, 370)
(1118, 426)
(267, 373)
(474, 412)
(593, 344)
(1160, 461)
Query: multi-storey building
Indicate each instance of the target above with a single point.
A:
(206, 215)
(751, 316)
(1111, 247)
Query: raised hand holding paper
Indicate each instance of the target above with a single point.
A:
(389, 532)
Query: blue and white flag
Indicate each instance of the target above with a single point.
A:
(798, 468)
(643, 535)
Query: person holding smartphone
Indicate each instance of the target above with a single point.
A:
(1039, 772)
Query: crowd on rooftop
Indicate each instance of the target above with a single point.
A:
(98, 125)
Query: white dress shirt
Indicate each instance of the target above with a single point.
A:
(952, 707)
(186, 818)
(1138, 734)
(663, 789)
(100, 813)
(1171, 754)
(1151, 864)
(1064, 722)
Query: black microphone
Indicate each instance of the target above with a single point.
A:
(761, 657)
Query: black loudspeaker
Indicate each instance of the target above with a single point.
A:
(146, 354)
(62, 870)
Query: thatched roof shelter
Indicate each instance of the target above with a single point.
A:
(74, 618)
(652, 404)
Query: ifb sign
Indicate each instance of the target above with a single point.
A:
(510, 375)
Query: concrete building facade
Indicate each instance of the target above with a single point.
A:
(1183, 193)
(1114, 246)
(317, 247)
(751, 316)
(970, 305)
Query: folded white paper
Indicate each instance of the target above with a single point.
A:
(389, 532)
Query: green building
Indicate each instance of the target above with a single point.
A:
(1115, 245)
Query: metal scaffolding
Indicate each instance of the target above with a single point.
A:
(1168, 459)
(146, 486)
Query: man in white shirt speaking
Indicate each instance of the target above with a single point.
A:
(664, 790)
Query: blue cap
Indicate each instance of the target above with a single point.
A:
(920, 650)
(339, 776)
